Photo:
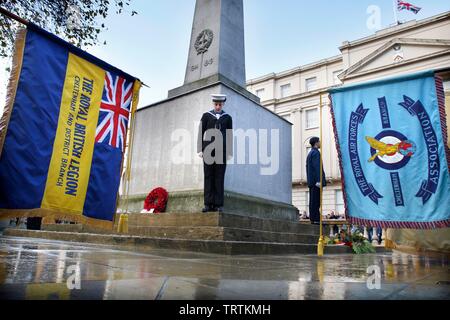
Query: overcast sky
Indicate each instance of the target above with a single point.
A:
(279, 34)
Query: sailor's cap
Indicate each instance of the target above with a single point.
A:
(219, 97)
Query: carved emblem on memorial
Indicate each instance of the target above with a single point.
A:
(203, 41)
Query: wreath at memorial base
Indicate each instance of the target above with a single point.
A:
(355, 240)
(156, 200)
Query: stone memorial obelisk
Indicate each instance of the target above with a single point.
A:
(258, 180)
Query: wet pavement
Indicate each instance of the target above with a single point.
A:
(45, 269)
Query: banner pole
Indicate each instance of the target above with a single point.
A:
(131, 140)
(128, 169)
(13, 16)
(321, 244)
(122, 226)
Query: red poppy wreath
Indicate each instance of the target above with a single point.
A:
(157, 200)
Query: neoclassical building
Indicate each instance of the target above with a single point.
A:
(294, 94)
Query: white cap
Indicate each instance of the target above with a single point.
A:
(219, 97)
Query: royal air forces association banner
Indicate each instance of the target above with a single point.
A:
(63, 132)
(391, 138)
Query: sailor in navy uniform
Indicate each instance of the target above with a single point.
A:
(215, 157)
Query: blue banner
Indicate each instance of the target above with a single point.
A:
(392, 152)
(63, 133)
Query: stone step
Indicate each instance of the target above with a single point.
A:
(138, 243)
(238, 234)
(219, 219)
(198, 233)
(172, 219)
(245, 222)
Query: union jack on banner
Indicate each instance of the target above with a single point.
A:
(114, 111)
(401, 5)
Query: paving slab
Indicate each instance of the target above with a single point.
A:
(38, 269)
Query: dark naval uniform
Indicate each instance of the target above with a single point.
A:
(214, 173)
(313, 177)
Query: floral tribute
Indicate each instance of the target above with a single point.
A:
(355, 240)
(156, 200)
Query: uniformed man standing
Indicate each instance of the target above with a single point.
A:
(215, 146)
(313, 177)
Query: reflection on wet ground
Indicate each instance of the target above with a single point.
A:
(44, 269)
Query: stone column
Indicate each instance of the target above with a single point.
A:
(297, 161)
(217, 41)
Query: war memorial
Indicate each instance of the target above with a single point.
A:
(258, 214)
(109, 238)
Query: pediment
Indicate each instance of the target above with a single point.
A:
(397, 52)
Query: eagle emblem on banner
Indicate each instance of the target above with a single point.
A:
(391, 150)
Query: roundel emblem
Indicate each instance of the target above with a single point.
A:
(203, 41)
(391, 150)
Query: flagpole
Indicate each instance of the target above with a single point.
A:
(129, 155)
(13, 16)
(394, 3)
(122, 226)
(321, 244)
(131, 140)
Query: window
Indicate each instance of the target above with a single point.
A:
(447, 86)
(338, 167)
(312, 118)
(285, 90)
(260, 92)
(308, 149)
(307, 202)
(340, 208)
(311, 84)
(336, 80)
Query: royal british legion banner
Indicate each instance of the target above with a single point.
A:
(391, 138)
(63, 132)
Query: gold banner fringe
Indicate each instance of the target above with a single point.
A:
(13, 82)
(416, 250)
(49, 215)
(389, 244)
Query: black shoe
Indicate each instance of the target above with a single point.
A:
(206, 209)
